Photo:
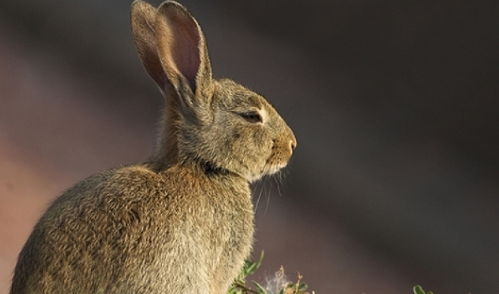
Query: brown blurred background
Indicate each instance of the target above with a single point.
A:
(394, 104)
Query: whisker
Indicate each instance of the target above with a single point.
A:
(267, 204)
(258, 198)
(268, 200)
(278, 184)
(281, 176)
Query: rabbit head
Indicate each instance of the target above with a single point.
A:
(217, 123)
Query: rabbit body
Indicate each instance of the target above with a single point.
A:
(183, 221)
(133, 230)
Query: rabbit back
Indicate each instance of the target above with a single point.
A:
(132, 230)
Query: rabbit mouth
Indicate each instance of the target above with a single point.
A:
(267, 170)
(272, 168)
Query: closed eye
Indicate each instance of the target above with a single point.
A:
(251, 116)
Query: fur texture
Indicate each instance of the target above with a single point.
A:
(183, 221)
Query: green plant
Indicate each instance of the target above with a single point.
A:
(279, 284)
(419, 290)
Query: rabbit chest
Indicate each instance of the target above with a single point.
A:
(207, 225)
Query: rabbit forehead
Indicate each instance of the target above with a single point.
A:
(233, 96)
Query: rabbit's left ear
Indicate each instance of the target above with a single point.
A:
(183, 53)
(143, 18)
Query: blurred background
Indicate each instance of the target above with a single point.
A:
(394, 104)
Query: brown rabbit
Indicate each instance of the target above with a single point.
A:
(183, 221)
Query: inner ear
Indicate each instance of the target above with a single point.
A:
(185, 50)
(180, 38)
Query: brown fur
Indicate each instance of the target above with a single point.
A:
(183, 221)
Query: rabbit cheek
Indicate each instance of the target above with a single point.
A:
(250, 157)
(249, 152)
(262, 152)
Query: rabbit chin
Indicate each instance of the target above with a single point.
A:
(272, 169)
(268, 170)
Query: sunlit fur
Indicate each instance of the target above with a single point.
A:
(181, 222)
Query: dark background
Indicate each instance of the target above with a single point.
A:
(394, 104)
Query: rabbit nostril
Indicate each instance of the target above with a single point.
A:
(293, 145)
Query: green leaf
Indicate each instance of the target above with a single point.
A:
(256, 265)
(302, 287)
(260, 288)
(418, 290)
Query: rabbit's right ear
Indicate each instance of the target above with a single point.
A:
(143, 18)
(184, 55)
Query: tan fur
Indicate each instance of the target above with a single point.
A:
(183, 221)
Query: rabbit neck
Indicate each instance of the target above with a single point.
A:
(166, 153)
(210, 170)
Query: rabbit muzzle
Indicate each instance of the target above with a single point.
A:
(282, 150)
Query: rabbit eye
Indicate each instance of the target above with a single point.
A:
(252, 116)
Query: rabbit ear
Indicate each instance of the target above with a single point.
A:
(183, 53)
(143, 18)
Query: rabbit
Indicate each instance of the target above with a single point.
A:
(182, 221)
